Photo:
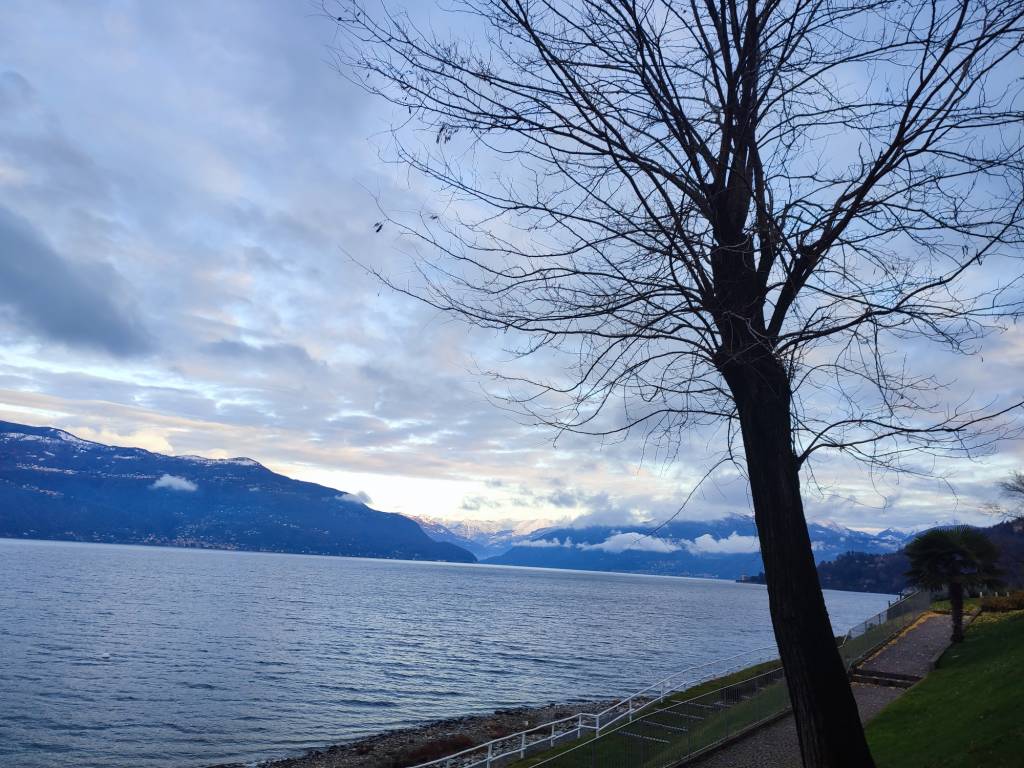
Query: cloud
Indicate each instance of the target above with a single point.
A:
(601, 508)
(621, 542)
(546, 543)
(225, 219)
(174, 483)
(279, 354)
(564, 498)
(476, 503)
(362, 497)
(16, 94)
(732, 544)
(59, 301)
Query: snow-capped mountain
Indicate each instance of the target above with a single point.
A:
(54, 485)
(484, 538)
(723, 548)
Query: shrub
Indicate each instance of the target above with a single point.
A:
(1012, 602)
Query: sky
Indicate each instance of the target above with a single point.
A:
(187, 191)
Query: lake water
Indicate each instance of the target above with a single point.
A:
(139, 656)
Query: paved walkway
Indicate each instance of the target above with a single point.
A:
(914, 650)
(776, 746)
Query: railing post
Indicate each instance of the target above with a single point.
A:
(551, 741)
(490, 752)
(522, 746)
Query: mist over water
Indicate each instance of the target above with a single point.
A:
(137, 656)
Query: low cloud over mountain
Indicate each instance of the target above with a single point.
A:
(724, 548)
(174, 483)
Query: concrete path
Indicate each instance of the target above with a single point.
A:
(776, 746)
(914, 650)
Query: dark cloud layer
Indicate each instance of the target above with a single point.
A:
(293, 355)
(52, 298)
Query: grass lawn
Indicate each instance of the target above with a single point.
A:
(965, 714)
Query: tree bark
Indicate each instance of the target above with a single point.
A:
(828, 723)
(956, 608)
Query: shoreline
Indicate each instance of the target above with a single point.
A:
(404, 747)
(458, 563)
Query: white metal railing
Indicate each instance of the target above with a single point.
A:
(915, 601)
(676, 682)
(550, 734)
(878, 629)
(695, 725)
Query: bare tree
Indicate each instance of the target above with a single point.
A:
(725, 212)
(1012, 488)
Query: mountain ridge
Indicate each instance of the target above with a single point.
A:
(484, 538)
(725, 547)
(55, 485)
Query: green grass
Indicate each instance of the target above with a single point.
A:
(662, 720)
(965, 714)
(769, 701)
(970, 604)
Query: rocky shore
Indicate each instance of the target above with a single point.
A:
(411, 746)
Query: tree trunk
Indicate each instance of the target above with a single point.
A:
(828, 724)
(956, 608)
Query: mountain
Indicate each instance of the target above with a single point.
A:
(484, 538)
(54, 485)
(860, 572)
(723, 548)
(863, 572)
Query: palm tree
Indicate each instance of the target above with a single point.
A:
(958, 557)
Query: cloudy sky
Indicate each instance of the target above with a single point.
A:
(184, 188)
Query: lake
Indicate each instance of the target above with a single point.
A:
(143, 656)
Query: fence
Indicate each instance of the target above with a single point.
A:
(873, 632)
(680, 727)
(547, 736)
(672, 719)
(674, 684)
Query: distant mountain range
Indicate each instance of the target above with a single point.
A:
(484, 538)
(54, 485)
(722, 548)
